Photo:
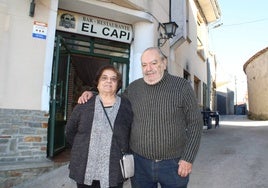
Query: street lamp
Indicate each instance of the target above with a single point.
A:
(170, 30)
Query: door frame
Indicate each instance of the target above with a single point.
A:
(73, 44)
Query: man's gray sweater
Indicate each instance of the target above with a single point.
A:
(167, 121)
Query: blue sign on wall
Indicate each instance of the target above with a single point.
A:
(39, 30)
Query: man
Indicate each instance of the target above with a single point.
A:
(167, 125)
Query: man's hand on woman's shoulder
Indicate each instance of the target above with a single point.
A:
(86, 95)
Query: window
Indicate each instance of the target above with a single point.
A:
(197, 89)
(186, 75)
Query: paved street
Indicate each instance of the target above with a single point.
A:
(232, 156)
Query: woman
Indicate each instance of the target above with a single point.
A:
(96, 148)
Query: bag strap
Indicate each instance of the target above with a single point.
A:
(110, 124)
(107, 116)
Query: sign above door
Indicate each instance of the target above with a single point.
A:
(94, 26)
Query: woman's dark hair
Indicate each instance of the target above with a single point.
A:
(112, 68)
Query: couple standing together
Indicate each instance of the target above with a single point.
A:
(157, 118)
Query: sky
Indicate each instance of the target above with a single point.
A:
(243, 33)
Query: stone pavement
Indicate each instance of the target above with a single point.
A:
(233, 155)
(54, 179)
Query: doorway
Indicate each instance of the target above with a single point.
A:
(75, 62)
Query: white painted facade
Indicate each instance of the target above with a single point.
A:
(27, 56)
(26, 61)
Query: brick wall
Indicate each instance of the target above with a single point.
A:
(23, 135)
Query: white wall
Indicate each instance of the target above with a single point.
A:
(26, 62)
(143, 39)
(22, 56)
(186, 57)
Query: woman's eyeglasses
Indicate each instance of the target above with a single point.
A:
(106, 78)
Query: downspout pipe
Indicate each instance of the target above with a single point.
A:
(32, 8)
(169, 10)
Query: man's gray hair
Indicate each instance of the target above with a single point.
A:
(162, 55)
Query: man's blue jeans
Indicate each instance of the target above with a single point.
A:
(148, 173)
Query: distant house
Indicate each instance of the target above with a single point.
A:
(256, 69)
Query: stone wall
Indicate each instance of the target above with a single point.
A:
(23, 135)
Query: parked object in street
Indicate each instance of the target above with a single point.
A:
(208, 116)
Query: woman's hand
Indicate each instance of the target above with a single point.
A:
(86, 95)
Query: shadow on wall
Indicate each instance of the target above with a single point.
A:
(225, 102)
